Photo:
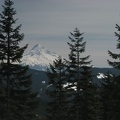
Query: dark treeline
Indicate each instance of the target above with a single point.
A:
(17, 102)
(72, 90)
(72, 95)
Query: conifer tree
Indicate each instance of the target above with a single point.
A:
(57, 104)
(79, 77)
(16, 99)
(115, 56)
(115, 112)
(106, 97)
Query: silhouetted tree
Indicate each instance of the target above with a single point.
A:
(16, 99)
(106, 97)
(80, 88)
(115, 112)
(57, 105)
(115, 56)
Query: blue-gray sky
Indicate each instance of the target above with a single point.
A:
(49, 22)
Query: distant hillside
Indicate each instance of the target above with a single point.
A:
(96, 72)
(40, 79)
(40, 84)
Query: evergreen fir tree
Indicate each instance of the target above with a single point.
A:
(115, 112)
(115, 56)
(80, 86)
(106, 97)
(57, 104)
(16, 99)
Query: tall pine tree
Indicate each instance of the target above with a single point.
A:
(115, 93)
(80, 88)
(57, 104)
(106, 97)
(16, 99)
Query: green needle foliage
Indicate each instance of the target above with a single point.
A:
(80, 88)
(115, 56)
(57, 106)
(106, 97)
(114, 114)
(16, 99)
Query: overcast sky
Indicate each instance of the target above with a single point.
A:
(49, 23)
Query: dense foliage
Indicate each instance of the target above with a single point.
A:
(72, 95)
(58, 102)
(75, 80)
(82, 104)
(16, 99)
(115, 91)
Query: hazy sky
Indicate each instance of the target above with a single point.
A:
(49, 22)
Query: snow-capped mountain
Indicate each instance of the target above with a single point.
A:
(39, 58)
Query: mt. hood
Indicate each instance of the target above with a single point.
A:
(39, 58)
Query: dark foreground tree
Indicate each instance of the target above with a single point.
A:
(57, 104)
(115, 112)
(16, 99)
(80, 88)
(106, 95)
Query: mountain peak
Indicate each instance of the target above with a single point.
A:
(39, 58)
(37, 47)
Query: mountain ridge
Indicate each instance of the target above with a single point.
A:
(39, 58)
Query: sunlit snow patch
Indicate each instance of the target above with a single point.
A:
(101, 76)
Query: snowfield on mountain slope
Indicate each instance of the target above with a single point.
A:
(39, 58)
